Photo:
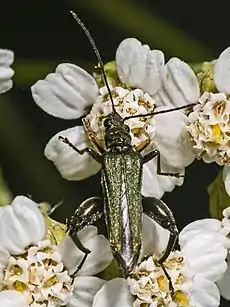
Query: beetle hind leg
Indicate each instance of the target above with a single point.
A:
(88, 213)
(159, 212)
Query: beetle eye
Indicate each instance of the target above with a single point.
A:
(127, 128)
(107, 122)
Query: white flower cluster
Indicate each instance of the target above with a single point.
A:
(39, 275)
(210, 128)
(151, 286)
(36, 273)
(143, 78)
(127, 103)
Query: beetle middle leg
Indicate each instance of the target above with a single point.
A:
(160, 212)
(88, 213)
(156, 153)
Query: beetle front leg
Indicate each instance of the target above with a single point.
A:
(160, 212)
(88, 213)
(140, 147)
(93, 137)
(96, 156)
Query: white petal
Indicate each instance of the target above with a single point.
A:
(172, 139)
(84, 291)
(155, 185)
(114, 293)
(155, 238)
(21, 224)
(11, 298)
(222, 72)
(4, 258)
(203, 246)
(224, 282)
(65, 93)
(6, 73)
(205, 294)
(99, 258)
(69, 163)
(150, 182)
(138, 66)
(162, 98)
(226, 178)
(197, 228)
(71, 255)
(210, 265)
(87, 233)
(180, 84)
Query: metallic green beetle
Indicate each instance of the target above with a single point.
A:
(121, 177)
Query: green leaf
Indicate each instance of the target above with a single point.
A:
(55, 231)
(218, 198)
(205, 73)
(5, 194)
(110, 272)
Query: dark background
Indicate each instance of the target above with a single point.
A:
(43, 34)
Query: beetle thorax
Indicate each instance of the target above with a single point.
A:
(117, 133)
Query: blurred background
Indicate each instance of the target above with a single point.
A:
(43, 34)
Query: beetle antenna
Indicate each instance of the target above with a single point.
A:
(97, 53)
(160, 112)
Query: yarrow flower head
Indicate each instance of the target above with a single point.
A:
(210, 128)
(193, 271)
(36, 272)
(151, 285)
(209, 125)
(143, 84)
(39, 275)
(127, 103)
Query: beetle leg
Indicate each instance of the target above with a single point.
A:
(88, 213)
(156, 153)
(96, 156)
(140, 147)
(93, 137)
(160, 212)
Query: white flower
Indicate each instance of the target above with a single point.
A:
(209, 128)
(6, 73)
(127, 102)
(69, 91)
(210, 120)
(34, 272)
(194, 270)
(224, 282)
(151, 286)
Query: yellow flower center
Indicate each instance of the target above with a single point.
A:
(39, 275)
(151, 286)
